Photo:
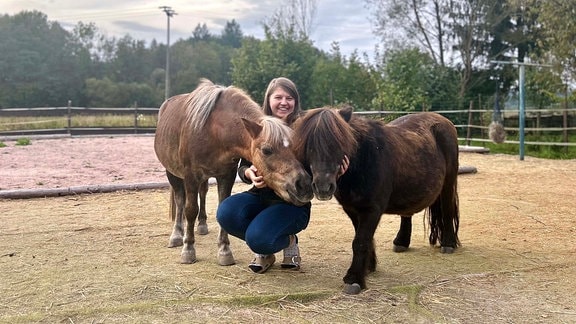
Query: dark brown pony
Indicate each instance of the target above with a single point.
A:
(203, 134)
(399, 168)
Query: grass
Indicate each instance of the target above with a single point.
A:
(541, 151)
(23, 141)
(28, 123)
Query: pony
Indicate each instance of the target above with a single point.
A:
(203, 134)
(402, 167)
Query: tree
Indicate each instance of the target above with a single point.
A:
(554, 30)
(294, 17)
(286, 51)
(107, 93)
(130, 61)
(337, 80)
(411, 81)
(421, 23)
(231, 35)
(38, 66)
(201, 33)
(193, 60)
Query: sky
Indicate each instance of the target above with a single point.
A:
(344, 21)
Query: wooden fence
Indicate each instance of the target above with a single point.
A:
(472, 124)
(69, 113)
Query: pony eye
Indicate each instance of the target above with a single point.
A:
(267, 150)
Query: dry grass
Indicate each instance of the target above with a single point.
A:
(102, 258)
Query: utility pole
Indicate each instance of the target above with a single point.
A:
(169, 13)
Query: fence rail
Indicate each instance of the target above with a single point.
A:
(471, 123)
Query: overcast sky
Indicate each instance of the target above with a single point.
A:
(344, 21)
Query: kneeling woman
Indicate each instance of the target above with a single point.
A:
(258, 216)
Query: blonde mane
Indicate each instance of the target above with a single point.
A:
(276, 132)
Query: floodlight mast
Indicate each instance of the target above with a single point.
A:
(169, 14)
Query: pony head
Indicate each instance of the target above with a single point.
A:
(322, 138)
(271, 153)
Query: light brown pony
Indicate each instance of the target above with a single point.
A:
(203, 134)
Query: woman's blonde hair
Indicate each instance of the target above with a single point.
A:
(288, 86)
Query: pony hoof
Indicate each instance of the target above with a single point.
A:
(226, 259)
(202, 229)
(399, 248)
(175, 242)
(188, 257)
(353, 289)
(446, 249)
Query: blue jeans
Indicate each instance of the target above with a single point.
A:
(264, 227)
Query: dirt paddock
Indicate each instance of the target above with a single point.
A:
(100, 258)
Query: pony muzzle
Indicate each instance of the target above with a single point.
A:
(323, 190)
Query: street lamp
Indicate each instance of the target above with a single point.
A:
(169, 13)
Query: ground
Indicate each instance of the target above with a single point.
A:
(103, 257)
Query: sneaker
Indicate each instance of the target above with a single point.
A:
(291, 255)
(262, 262)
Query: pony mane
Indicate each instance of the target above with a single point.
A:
(276, 132)
(325, 133)
(200, 102)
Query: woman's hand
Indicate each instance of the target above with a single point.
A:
(344, 166)
(252, 174)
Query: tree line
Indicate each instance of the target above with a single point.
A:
(434, 54)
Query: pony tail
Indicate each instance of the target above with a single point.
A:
(444, 217)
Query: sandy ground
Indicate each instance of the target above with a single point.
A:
(66, 162)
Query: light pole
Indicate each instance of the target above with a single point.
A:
(169, 13)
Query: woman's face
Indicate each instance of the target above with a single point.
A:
(281, 103)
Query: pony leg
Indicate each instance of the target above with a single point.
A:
(177, 198)
(402, 240)
(202, 227)
(444, 218)
(191, 184)
(363, 250)
(225, 184)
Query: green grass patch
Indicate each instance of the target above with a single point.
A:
(23, 141)
(31, 123)
(267, 299)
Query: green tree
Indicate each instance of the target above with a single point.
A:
(337, 80)
(231, 35)
(257, 62)
(192, 60)
(411, 81)
(553, 30)
(37, 64)
(107, 93)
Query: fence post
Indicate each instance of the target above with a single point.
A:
(468, 130)
(135, 117)
(69, 117)
(565, 119)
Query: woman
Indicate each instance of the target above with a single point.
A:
(258, 216)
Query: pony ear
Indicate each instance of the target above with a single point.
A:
(346, 112)
(253, 128)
